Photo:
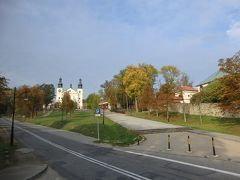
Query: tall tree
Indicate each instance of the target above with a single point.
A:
(4, 98)
(110, 91)
(93, 101)
(184, 80)
(151, 72)
(29, 100)
(230, 93)
(68, 105)
(147, 99)
(122, 97)
(49, 93)
(171, 77)
(197, 99)
(135, 80)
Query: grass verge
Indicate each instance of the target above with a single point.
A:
(85, 122)
(6, 151)
(209, 123)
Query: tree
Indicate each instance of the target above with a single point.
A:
(110, 91)
(171, 77)
(29, 100)
(122, 97)
(147, 99)
(165, 97)
(170, 74)
(184, 80)
(151, 72)
(230, 92)
(49, 93)
(212, 93)
(68, 105)
(93, 101)
(4, 98)
(135, 80)
(197, 99)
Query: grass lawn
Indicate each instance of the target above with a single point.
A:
(214, 124)
(84, 122)
(6, 151)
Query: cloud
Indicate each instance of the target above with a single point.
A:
(234, 31)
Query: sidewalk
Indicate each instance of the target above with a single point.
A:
(26, 165)
(227, 146)
(143, 125)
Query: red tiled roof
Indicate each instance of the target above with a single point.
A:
(188, 88)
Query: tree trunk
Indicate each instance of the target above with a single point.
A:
(167, 116)
(127, 102)
(167, 113)
(184, 113)
(136, 104)
(200, 112)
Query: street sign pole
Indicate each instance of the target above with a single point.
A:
(98, 128)
(97, 114)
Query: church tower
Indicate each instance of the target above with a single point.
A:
(60, 92)
(80, 94)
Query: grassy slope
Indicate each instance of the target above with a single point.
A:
(85, 123)
(215, 124)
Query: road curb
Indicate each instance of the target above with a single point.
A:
(38, 173)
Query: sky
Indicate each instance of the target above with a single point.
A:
(42, 40)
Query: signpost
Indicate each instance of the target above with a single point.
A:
(97, 114)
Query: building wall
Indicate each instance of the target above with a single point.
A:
(208, 109)
(76, 96)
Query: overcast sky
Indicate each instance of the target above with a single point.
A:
(41, 40)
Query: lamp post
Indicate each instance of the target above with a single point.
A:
(13, 115)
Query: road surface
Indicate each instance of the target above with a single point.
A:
(73, 157)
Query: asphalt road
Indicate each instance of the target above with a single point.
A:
(73, 158)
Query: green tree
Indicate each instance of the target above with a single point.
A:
(210, 93)
(170, 74)
(4, 97)
(49, 93)
(93, 100)
(151, 72)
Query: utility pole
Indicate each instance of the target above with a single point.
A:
(13, 116)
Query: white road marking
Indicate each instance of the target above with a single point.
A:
(183, 163)
(103, 164)
(122, 171)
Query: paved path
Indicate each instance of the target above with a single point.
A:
(139, 124)
(227, 147)
(74, 159)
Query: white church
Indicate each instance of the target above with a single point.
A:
(76, 95)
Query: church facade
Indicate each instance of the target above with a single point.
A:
(76, 95)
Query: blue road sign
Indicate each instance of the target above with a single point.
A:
(97, 112)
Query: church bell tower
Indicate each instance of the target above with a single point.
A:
(80, 94)
(60, 92)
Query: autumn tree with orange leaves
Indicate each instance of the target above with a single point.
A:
(230, 92)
